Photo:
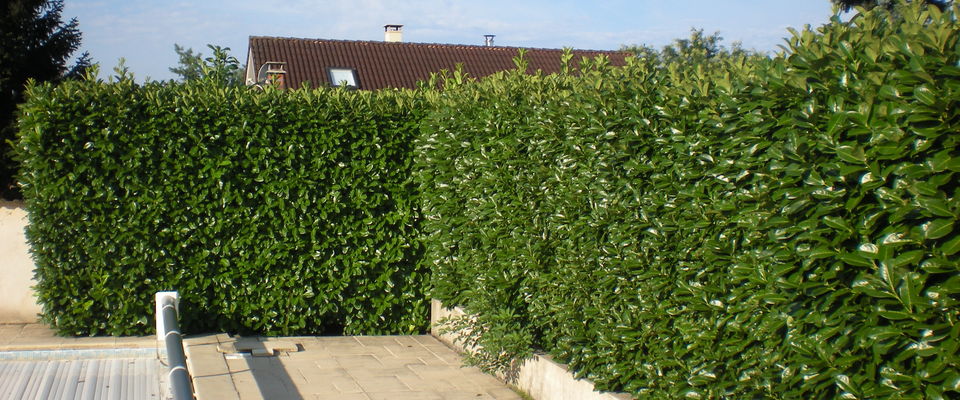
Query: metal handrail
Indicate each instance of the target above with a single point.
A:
(167, 322)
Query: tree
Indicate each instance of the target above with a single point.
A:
(698, 48)
(189, 66)
(34, 44)
(847, 5)
(221, 68)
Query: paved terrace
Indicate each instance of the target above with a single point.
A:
(307, 367)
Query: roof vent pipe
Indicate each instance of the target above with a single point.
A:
(393, 33)
(488, 40)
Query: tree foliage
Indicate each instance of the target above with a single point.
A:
(696, 49)
(188, 68)
(220, 68)
(847, 5)
(34, 44)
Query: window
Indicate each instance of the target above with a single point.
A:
(343, 77)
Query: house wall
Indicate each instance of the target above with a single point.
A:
(251, 71)
(17, 300)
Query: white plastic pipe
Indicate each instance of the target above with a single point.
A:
(168, 330)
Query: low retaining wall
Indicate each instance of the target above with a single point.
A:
(18, 304)
(540, 376)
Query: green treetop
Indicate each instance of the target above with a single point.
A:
(34, 44)
(220, 68)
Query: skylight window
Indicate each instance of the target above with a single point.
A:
(343, 77)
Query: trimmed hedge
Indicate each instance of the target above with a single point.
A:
(270, 212)
(781, 228)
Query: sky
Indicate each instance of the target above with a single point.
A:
(143, 32)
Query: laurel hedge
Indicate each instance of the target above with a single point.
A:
(270, 212)
(742, 228)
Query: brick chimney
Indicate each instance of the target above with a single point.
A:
(393, 33)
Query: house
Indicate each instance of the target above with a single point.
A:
(392, 63)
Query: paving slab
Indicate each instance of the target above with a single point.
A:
(343, 367)
(36, 336)
(225, 367)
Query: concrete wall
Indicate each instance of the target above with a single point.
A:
(540, 377)
(17, 300)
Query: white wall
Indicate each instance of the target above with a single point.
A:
(540, 377)
(17, 300)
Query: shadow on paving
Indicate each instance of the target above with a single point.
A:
(269, 375)
(336, 367)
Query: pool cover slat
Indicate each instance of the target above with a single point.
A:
(123, 378)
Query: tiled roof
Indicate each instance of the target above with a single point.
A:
(384, 65)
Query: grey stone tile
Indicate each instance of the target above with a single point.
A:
(382, 384)
(406, 396)
(365, 367)
(474, 395)
(399, 362)
(337, 340)
(418, 384)
(360, 361)
(341, 396)
(360, 373)
(346, 385)
(377, 340)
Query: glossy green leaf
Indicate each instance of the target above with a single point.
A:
(925, 95)
(938, 228)
(937, 207)
(951, 247)
(851, 154)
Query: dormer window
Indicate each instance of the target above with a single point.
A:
(343, 77)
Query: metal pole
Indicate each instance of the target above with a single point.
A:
(178, 376)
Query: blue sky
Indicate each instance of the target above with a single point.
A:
(144, 32)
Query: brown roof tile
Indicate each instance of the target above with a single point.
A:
(385, 65)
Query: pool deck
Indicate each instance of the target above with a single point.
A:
(304, 367)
